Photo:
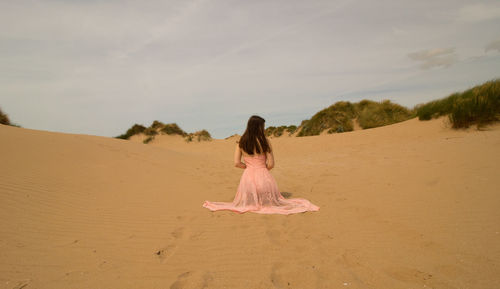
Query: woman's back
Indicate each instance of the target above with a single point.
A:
(255, 161)
(258, 191)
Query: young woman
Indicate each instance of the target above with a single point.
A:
(258, 191)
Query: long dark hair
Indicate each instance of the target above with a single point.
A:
(253, 136)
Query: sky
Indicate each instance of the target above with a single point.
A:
(99, 66)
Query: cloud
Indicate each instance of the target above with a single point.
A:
(68, 65)
(435, 57)
(479, 12)
(493, 45)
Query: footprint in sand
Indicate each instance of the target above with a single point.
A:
(165, 252)
(410, 275)
(196, 236)
(21, 284)
(178, 233)
(359, 271)
(301, 275)
(276, 277)
(192, 280)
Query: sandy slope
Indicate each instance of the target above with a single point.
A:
(411, 205)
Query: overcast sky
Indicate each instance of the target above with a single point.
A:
(97, 67)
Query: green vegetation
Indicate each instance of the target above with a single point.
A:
(436, 108)
(4, 119)
(173, 128)
(135, 129)
(339, 117)
(158, 127)
(291, 129)
(374, 114)
(479, 105)
(201, 135)
(278, 131)
(150, 131)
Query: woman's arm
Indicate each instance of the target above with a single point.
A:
(237, 158)
(270, 157)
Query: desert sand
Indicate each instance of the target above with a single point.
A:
(410, 205)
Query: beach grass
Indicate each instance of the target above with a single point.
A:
(172, 128)
(339, 117)
(135, 129)
(374, 114)
(157, 127)
(4, 119)
(478, 105)
(201, 135)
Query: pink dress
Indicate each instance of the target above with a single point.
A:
(258, 192)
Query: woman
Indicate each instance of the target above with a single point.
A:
(258, 191)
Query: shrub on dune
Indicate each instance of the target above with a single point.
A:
(337, 116)
(436, 108)
(155, 128)
(270, 130)
(291, 129)
(4, 119)
(157, 124)
(375, 114)
(280, 130)
(172, 128)
(479, 105)
(202, 135)
(135, 129)
(150, 131)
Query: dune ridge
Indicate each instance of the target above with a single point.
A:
(409, 205)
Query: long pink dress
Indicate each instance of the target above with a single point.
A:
(258, 192)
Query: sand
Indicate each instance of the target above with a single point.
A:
(410, 205)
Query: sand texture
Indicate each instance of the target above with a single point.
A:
(410, 205)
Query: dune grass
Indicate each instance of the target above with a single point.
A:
(135, 129)
(155, 128)
(150, 131)
(374, 114)
(172, 128)
(4, 119)
(291, 129)
(339, 117)
(335, 117)
(158, 127)
(278, 131)
(479, 105)
(436, 108)
(201, 135)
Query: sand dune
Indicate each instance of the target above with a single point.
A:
(410, 205)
